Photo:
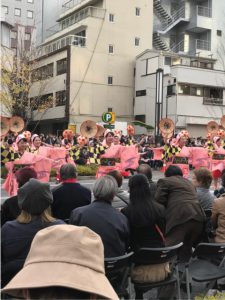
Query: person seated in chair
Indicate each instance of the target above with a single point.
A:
(147, 224)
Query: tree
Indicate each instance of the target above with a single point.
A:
(17, 76)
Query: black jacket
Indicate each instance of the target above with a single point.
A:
(106, 221)
(67, 197)
(10, 210)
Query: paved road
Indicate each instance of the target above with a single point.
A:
(88, 183)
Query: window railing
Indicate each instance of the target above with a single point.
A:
(203, 45)
(212, 101)
(204, 11)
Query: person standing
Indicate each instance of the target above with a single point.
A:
(184, 216)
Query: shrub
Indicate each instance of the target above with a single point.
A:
(87, 170)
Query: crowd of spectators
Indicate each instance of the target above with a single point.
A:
(41, 251)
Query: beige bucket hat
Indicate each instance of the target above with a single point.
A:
(66, 256)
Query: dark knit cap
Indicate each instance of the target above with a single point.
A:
(34, 197)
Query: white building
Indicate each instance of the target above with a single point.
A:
(26, 18)
(189, 37)
(90, 61)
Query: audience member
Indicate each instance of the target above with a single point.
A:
(34, 199)
(202, 179)
(147, 223)
(64, 262)
(147, 171)
(105, 220)
(218, 218)
(121, 198)
(70, 194)
(221, 190)
(184, 216)
(10, 209)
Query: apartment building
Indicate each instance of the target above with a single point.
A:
(91, 58)
(26, 18)
(189, 45)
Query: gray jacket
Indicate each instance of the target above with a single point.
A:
(205, 198)
(121, 199)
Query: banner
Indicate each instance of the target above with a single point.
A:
(157, 153)
(200, 157)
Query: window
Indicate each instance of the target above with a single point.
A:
(61, 66)
(196, 91)
(171, 90)
(27, 36)
(137, 11)
(111, 50)
(60, 98)
(110, 80)
(30, 14)
(13, 34)
(184, 89)
(111, 18)
(219, 32)
(5, 9)
(140, 118)
(140, 93)
(213, 93)
(17, 12)
(137, 41)
(167, 61)
(42, 73)
(30, 1)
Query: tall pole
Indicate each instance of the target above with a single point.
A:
(158, 102)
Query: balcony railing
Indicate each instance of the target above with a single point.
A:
(71, 3)
(204, 11)
(203, 45)
(212, 101)
(74, 40)
(90, 11)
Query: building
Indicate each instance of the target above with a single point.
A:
(26, 18)
(90, 60)
(190, 46)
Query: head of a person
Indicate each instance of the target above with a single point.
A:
(64, 262)
(109, 137)
(105, 188)
(34, 200)
(68, 171)
(217, 141)
(21, 142)
(173, 171)
(118, 176)
(145, 170)
(139, 188)
(202, 178)
(24, 175)
(36, 141)
(116, 140)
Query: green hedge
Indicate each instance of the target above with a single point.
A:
(89, 170)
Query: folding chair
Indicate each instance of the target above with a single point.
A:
(117, 270)
(204, 265)
(150, 256)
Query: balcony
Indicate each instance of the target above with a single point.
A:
(90, 11)
(201, 19)
(212, 101)
(204, 11)
(202, 45)
(74, 40)
(197, 75)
